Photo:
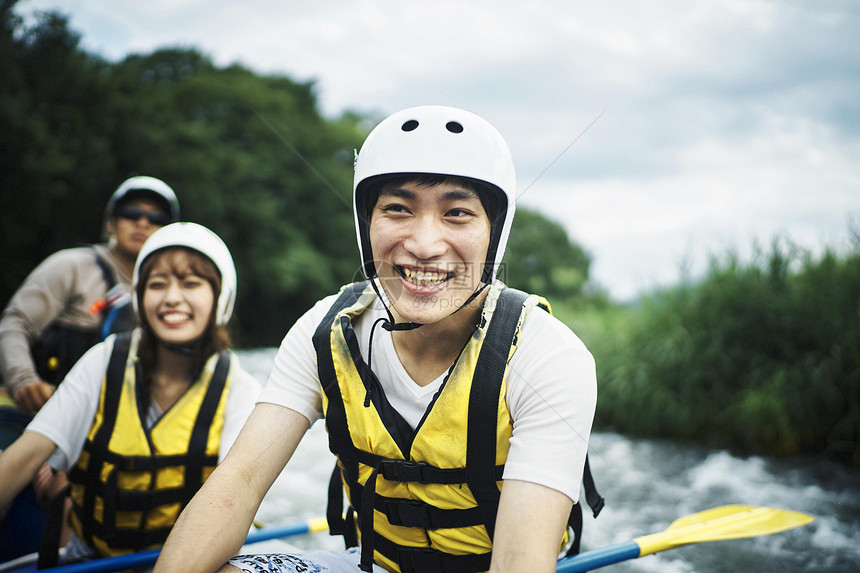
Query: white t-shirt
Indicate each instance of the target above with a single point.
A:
(551, 391)
(66, 418)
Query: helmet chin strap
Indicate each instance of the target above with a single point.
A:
(390, 324)
(184, 349)
(473, 296)
(191, 348)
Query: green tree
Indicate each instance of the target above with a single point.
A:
(54, 153)
(541, 259)
(252, 158)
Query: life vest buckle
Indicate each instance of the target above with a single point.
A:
(408, 513)
(403, 471)
(420, 560)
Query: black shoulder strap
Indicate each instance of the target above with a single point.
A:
(107, 272)
(340, 442)
(197, 459)
(484, 403)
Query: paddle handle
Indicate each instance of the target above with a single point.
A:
(598, 558)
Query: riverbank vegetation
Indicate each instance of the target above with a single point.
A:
(760, 355)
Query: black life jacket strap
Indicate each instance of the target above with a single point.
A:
(107, 272)
(594, 500)
(49, 547)
(132, 537)
(592, 496)
(484, 403)
(417, 472)
(340, 442)
(340, 524)
(150, 463)
(113, 389)
(365, 519)
(196, 459)
(414, 513)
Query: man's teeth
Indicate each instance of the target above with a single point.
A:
(423, 278)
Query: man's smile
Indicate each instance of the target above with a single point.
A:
(425, 278)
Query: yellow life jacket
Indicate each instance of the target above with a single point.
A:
(435, 490)
(130, 484)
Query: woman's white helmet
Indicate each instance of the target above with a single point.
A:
(437, 140)
(144, 186)
(201, 239)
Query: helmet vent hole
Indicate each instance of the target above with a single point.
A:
(410, 125)
(454, 127)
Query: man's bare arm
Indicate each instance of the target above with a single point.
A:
(529, 527)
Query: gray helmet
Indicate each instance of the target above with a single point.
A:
(144, 187)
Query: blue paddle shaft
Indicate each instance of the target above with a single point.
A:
(597, 558)
(148, 557)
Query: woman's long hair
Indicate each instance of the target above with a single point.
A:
(181, 262)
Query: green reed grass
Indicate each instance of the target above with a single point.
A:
(761, 356)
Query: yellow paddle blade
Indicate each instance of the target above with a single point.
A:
(719, 523)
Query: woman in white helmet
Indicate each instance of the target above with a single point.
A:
(437, 383)
(160, 405)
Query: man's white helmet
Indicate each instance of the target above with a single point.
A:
(437, 140)
(202, 240)
(148, 187)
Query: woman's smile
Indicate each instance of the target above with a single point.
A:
(174, 317)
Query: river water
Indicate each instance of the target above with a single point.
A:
(647, 485)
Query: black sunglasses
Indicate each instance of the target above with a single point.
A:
(132, 213)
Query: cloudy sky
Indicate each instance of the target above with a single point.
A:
(658, 133)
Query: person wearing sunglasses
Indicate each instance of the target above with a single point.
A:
(59, 310)
(67, 304)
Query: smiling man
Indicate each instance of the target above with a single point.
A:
(459, 409)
